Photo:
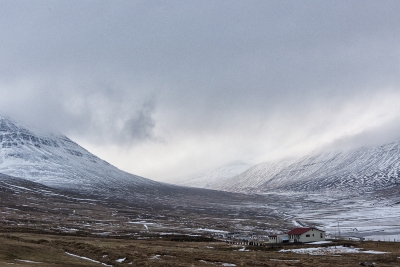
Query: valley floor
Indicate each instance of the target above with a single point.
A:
(41, 226)
(26, 249)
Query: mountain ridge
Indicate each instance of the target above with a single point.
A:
(364, 169)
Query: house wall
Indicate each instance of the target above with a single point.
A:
(312, 236)
(273, 239)
(278, 238)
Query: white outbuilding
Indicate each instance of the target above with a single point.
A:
(279, 238)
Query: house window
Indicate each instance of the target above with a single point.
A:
(307, 235)
(322, 236)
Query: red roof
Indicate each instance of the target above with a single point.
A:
(299, 231)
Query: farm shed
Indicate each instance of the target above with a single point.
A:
(279, 238)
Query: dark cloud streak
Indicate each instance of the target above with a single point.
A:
(141, 125)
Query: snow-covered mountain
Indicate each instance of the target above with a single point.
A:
(365, 169)
(56, 161)
(209, 179)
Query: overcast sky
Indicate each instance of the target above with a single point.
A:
(165, 89)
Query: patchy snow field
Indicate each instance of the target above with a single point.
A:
(350, 217)
(331, 250)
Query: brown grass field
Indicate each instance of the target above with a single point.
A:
(28, 249)
(40, 226)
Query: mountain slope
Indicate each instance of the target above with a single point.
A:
(56, 161)
(364, 169)
(208, 179)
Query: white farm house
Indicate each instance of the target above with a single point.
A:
(306, 235)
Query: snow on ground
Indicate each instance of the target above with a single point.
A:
(295, 223)
(212, 230)
(243, 249)
(319, 242)
(330, 250)
(284, 260)
(218, 263)
(143, 222)
(121, 260)
(155, 257)
(88, 259)
(28, 261)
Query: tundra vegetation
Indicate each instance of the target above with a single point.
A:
(48, 227)
(30, 249)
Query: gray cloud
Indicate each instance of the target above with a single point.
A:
(262, 80)
(141, 125)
